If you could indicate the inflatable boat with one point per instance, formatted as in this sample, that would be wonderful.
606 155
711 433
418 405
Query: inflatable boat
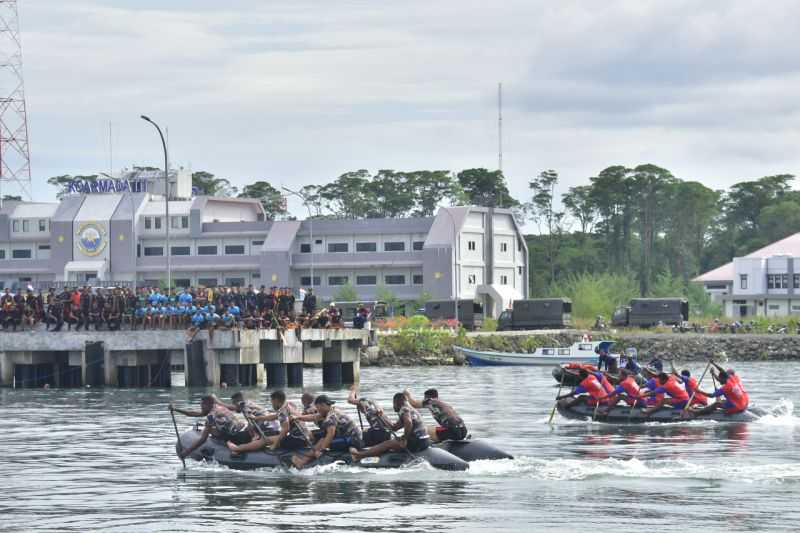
215 450
473 450
622 414
571 380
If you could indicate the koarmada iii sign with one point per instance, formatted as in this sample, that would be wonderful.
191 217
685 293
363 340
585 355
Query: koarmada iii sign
106 185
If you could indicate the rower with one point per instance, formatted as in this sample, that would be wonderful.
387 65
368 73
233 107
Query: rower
378 423
451 426
691 387
666 384
627 390
736 399
340 432
267 422
415 437
290 437
590 385
220 422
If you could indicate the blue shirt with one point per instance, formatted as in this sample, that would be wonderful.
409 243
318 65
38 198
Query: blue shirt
198 318
154 298
234 310
185 298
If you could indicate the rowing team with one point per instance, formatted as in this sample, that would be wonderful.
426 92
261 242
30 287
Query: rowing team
679 391
285 426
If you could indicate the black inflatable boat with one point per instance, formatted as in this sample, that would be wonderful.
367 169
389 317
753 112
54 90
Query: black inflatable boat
622 414
571 380
473 450
216 450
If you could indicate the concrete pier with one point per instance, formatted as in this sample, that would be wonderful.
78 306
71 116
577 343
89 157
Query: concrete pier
145 358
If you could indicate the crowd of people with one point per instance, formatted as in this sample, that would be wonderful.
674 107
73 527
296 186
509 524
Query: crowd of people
247 426
151 308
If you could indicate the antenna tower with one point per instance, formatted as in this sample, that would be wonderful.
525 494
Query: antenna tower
500 127
15 158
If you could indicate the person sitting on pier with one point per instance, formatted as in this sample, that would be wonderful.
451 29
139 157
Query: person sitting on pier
415 437
736 398
338 431
590 387
291 435
54 316
451 426
379 426
221 423
675 392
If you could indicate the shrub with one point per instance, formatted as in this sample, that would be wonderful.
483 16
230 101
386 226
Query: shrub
419 321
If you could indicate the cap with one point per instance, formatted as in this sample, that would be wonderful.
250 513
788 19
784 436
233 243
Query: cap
323 398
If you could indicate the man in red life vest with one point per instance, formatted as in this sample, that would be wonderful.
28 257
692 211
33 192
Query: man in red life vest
627 390
676 392
691 387
736 399
589 385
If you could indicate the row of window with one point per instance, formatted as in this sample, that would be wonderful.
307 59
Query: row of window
24 225
343 247
774 281
24 253
363 280
206 282
155 223
208 249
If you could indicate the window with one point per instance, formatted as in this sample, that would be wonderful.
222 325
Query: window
305 248
256 275
394 279
44 247
306 280
337 247
180 222
471 246
153 251
234 282
795 281
417 279
472 279
207 282
503 280
337 280
366 280
207 250
318 241
148 223
258 243
394 246
15 226
234 249
2 254
181 250
20 254
182 282
777 281
366 247
503 247
742 281
418 245
42 224
157 222
26 226
774 307
519 270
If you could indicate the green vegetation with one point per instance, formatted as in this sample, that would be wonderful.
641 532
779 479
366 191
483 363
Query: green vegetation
346 293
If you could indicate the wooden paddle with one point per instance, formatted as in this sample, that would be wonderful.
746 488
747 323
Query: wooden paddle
561 384
689 403
175 425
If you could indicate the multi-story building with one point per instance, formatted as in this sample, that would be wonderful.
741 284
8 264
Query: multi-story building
765 282
118 237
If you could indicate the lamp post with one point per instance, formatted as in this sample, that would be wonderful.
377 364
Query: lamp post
304 198
166 201
455 262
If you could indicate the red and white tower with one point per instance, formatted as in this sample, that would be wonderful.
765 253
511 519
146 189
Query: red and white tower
15 159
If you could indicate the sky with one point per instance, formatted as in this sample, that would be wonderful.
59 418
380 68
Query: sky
300 92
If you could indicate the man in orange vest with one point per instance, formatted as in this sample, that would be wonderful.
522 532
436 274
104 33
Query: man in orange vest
676 392
589 385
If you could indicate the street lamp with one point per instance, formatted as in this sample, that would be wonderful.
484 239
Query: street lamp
166 202
304 198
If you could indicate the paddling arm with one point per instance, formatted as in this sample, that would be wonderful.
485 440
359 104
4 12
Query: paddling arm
203 437
324 442
414 403
310 417
187 412
266 418
352 398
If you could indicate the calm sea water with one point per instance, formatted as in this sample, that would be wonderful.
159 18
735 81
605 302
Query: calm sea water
80 460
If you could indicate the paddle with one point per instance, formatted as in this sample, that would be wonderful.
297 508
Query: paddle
689 403
175 425
561 384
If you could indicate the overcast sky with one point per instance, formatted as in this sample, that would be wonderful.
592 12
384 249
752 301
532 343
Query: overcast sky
300 92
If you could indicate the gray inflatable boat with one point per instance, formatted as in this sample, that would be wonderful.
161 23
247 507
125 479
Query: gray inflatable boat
622 414
216 450
473 450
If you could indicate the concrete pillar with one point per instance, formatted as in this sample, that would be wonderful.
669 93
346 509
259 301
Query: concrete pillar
95 355
6 370
111 373
281 354
194 365
340 362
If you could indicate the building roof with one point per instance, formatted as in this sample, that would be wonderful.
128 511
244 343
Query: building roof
281 236
33 210
788 246
442 229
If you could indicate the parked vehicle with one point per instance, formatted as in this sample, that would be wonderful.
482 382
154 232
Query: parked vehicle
648 312
537 313
470 312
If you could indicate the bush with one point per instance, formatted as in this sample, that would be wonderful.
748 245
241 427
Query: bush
595 294
489 324
419 321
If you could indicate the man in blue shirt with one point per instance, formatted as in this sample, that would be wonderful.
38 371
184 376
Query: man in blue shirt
185 297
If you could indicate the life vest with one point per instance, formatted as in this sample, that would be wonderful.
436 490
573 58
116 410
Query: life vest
587 366
631 388
735 394
691 387
593 387
604 382
675 390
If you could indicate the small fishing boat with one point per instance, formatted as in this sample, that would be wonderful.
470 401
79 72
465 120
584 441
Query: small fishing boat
215 450
622 414
580 352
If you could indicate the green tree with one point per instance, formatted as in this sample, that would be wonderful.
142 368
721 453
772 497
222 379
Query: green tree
781 219
580 205
346 293
63 181
12 197
611 194
385 294
392 193
549 221
349 195
486 188
209 185
431 188
273 201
